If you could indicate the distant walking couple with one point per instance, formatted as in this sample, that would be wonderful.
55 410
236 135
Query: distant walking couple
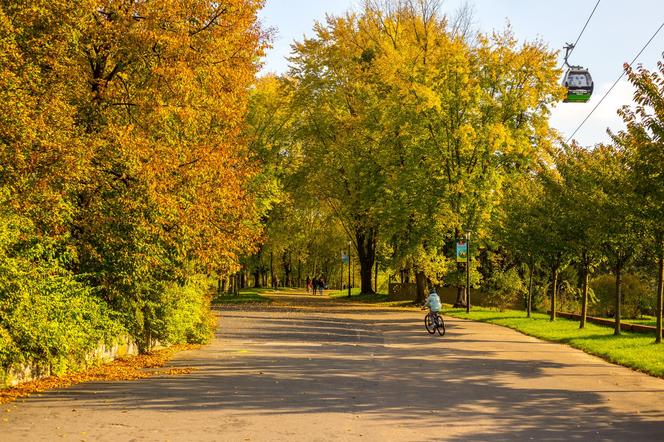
315 285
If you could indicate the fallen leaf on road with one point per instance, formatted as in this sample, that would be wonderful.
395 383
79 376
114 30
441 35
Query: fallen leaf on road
121 369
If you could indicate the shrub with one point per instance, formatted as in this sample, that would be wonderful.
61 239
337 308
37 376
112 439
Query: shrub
46 315
187 314
504 288
637 298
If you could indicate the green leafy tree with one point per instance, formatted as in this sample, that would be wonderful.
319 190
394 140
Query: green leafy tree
516 230
549 231
645 129
618 219
581 172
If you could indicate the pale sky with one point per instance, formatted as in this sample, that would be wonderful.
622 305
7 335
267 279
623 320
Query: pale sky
618 30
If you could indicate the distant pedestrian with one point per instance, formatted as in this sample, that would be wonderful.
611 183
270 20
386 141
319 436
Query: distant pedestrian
321 285
308 284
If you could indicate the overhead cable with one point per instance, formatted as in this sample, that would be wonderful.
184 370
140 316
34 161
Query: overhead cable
584 28
616 82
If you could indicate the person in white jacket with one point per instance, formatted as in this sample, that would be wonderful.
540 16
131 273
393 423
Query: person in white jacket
433 302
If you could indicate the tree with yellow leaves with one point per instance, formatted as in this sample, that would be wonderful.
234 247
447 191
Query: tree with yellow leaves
412 130
127 146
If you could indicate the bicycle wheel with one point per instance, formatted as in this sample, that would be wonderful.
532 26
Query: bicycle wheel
440 325
430 326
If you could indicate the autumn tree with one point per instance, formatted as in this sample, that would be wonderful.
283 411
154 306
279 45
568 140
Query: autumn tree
484 114
40 147
419 128
338 97
127 146
274 149
469 117
300 233
46 313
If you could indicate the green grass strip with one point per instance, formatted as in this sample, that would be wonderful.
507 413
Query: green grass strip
634 350
645 320
248 296
378 299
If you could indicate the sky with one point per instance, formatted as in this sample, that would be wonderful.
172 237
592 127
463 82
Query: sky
616 33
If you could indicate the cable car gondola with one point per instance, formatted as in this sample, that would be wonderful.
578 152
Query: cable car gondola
577 80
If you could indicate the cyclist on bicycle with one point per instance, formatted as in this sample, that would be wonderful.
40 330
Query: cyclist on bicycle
433 302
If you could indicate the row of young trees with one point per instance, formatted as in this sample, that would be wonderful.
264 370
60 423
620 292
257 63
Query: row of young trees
408 129
124 168
600 209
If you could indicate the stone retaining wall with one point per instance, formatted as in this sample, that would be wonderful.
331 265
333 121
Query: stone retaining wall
627 326
37 370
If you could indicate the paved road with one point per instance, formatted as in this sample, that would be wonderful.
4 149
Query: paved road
325 372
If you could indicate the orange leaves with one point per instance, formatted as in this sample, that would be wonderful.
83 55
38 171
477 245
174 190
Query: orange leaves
123 369
122 147
160 91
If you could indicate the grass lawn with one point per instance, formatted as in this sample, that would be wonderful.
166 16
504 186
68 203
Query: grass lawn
634 350
379 299
645 320
246 296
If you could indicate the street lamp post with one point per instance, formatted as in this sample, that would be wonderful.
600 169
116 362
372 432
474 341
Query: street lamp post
341 281
468 271
349 268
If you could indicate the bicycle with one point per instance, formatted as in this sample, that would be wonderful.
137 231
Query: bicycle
434 324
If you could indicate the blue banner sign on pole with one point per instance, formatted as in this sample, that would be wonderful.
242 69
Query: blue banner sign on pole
462 252
344 258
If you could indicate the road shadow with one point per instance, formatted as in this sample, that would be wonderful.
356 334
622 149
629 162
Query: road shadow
381 365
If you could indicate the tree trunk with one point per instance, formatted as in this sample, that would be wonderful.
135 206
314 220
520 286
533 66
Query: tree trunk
257 279
530 290
376 277
554 290
461 297
366 279
618 305
405 276
584 300
299 272
272 281
660 297
366 252
285 259
218 286
326 268
243 280
223 285
421 280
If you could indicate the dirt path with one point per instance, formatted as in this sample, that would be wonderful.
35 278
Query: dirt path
323 371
